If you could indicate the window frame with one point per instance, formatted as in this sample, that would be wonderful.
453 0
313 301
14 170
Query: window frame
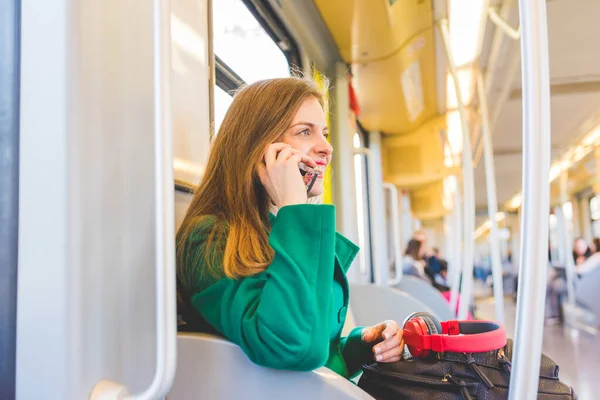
272 24
367 200
226 78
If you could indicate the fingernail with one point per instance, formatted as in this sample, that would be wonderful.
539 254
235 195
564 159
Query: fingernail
379 358
386 335
377 350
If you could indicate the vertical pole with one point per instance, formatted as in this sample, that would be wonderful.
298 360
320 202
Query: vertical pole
456 268
468 184
395 232
10 46
567 239
492 200
379 231
344 194
407 224
597 180
515 233
561 227
368 216
536 200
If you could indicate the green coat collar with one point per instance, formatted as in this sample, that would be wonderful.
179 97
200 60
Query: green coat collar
345 250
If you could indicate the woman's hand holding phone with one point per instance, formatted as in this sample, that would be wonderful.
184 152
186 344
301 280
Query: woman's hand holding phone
280 174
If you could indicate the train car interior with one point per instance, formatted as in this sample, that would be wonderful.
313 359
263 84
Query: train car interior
466 168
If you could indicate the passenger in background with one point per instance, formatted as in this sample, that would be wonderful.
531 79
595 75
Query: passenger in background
443 272
255 262
421 237
596 245
434 265
412 263
593 262
556 290
581 251
432 262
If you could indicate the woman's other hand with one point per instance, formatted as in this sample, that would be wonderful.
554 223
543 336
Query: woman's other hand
387 339
280 174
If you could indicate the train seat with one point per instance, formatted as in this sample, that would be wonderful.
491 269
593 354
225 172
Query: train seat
209 367
372 304
427 294
586 294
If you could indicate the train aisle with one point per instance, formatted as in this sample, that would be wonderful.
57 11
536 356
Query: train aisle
577 353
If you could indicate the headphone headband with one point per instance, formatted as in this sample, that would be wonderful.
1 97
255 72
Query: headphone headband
456 336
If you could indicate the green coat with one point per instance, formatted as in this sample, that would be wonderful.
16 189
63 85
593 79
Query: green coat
291 315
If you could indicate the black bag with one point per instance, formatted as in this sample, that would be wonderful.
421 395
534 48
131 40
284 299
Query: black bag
452 376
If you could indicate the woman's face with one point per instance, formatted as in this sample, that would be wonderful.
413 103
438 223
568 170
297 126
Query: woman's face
580 247
308 134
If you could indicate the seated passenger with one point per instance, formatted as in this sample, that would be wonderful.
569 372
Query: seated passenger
581 251
434 262
274 282
412 263
440 278
589 265
556 288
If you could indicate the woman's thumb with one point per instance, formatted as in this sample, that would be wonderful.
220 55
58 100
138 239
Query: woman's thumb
367 334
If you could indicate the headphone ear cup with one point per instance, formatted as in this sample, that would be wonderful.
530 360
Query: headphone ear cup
432 322
432 325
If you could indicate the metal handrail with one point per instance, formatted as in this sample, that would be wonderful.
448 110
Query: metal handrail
166 310
536 201
369 157
503 25
394 204
468 182
492 199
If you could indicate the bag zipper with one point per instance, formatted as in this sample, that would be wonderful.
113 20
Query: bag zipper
504 361
461 384
447 381
471 363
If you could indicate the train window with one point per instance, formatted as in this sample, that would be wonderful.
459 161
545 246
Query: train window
553 240
362 201
595 216
222 102
250 44
568 213
244 45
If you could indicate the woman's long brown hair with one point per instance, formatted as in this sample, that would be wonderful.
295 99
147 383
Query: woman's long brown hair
230 191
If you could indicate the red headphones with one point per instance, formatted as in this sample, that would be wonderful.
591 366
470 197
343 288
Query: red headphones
423 333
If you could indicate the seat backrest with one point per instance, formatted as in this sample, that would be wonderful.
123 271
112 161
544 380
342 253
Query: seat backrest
427 294
586 292
213 368
373 304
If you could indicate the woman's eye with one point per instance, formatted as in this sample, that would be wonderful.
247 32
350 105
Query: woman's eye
326 135
305 132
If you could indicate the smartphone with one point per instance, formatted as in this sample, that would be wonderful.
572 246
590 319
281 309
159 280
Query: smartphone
309 175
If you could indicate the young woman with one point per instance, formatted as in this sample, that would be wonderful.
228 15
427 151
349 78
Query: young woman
412 263
256 262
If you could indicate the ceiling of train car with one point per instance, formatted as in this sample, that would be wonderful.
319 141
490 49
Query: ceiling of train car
392 40
575 87
386 39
